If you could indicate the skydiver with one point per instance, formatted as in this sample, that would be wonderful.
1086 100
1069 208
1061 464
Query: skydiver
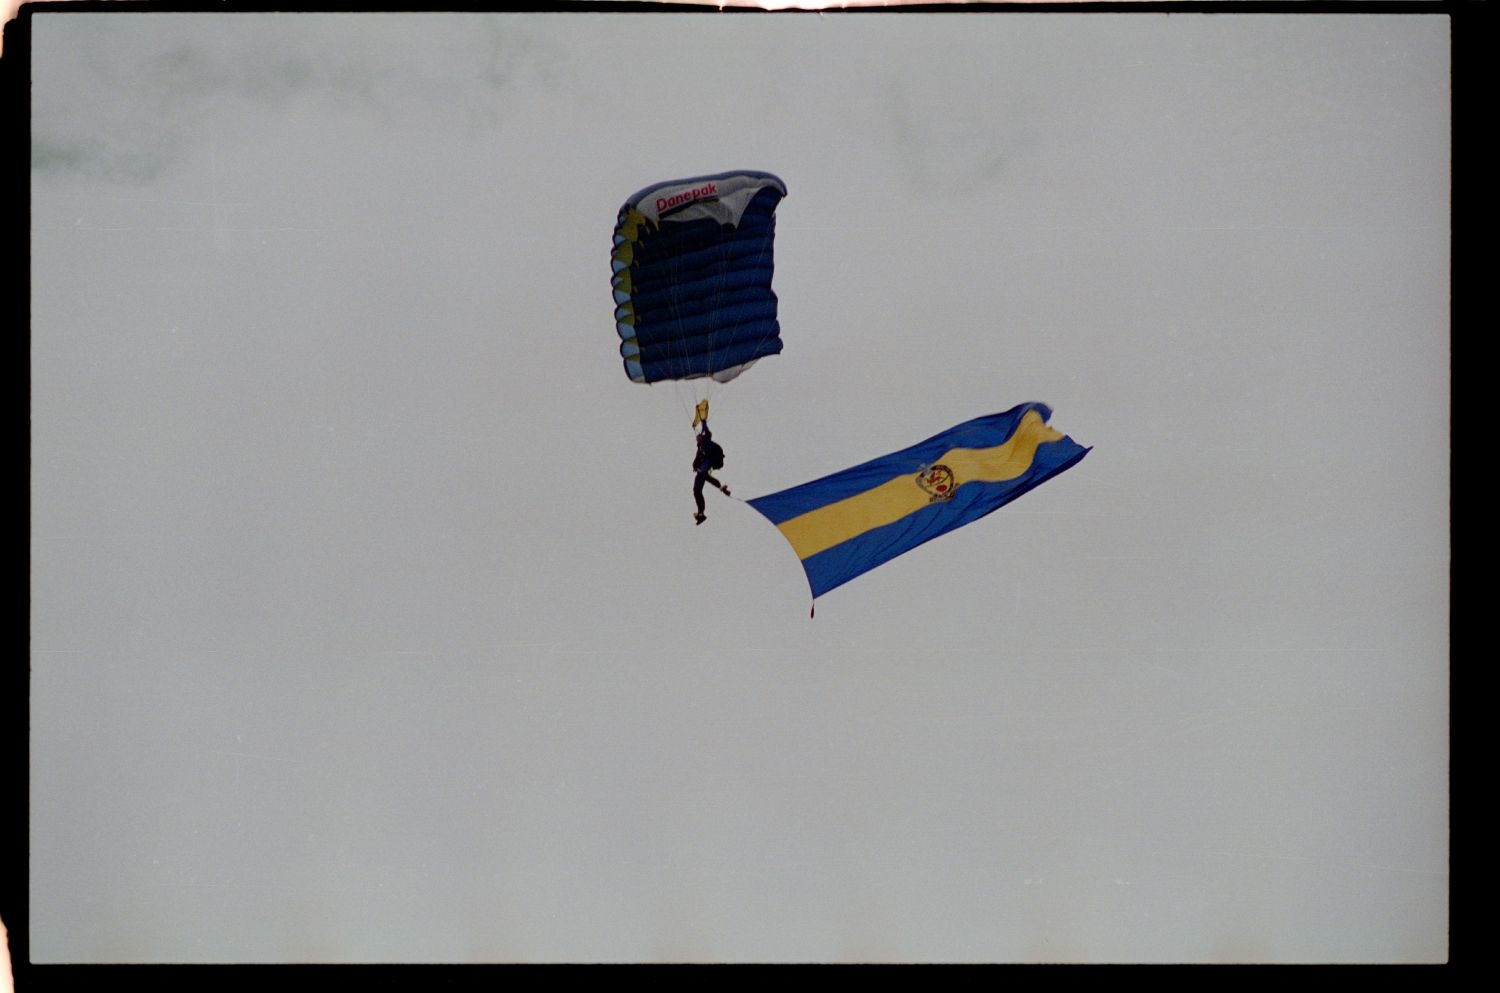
708 458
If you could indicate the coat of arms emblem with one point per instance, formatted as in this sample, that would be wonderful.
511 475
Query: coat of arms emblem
938 481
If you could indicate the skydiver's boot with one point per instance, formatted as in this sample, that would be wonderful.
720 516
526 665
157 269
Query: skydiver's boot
699 518
725 489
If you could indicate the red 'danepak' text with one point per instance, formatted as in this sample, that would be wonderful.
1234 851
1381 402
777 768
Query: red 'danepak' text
706 190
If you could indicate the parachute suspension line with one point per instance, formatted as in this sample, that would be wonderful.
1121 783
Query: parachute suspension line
718 335
683 388
723 267
679 302
680 392
766 249
697 282
687 398
710 392
715 334
672 310
696 390
675 304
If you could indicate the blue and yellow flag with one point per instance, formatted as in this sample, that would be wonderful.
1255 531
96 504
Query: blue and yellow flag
852 521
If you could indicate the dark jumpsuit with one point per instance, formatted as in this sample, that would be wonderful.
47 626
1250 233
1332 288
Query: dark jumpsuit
703 471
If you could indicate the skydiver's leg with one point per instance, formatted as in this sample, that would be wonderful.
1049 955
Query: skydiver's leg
709 476
698 489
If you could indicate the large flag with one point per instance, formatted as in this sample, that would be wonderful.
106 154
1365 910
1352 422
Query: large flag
852 521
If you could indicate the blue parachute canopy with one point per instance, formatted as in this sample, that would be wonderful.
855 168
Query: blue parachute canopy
692 265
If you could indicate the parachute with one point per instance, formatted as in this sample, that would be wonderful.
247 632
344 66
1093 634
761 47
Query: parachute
692 264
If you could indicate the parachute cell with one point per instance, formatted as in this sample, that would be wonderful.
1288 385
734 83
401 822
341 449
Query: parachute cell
692 265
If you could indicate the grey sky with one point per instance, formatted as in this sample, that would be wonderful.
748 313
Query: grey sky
369 621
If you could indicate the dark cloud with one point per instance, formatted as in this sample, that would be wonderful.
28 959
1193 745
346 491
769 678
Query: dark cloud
954 144
121 97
